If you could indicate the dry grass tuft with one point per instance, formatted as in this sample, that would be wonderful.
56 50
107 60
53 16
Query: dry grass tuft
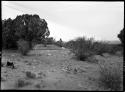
111 76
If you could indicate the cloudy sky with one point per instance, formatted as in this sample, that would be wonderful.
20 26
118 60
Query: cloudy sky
71 19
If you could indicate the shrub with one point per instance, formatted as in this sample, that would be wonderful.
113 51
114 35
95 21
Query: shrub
23 46
110 76
30 75
22 83
82 48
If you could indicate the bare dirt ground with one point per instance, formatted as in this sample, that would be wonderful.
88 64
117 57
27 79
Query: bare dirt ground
54 69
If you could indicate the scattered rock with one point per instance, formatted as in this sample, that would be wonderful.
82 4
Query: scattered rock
41 75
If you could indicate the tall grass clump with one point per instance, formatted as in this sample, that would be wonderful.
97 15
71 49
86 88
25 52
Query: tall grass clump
111 76
23 46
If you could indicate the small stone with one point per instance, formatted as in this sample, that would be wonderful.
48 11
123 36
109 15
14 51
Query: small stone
80 85
49 54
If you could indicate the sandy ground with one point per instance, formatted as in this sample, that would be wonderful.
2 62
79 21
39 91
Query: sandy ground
55 69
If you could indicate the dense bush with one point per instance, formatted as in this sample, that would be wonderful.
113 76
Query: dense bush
23 46
111 76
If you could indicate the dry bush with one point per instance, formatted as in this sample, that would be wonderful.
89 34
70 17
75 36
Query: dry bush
83 48
111 76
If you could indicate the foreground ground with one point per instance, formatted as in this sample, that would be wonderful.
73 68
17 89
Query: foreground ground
54 69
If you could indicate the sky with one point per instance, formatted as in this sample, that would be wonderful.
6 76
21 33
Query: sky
71 19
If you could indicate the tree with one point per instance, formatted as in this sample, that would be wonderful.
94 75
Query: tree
121 36
30 27
26 27
8 37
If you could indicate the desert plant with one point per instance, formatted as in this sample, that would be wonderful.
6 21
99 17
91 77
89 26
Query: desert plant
21 83
30 75
110 76
23 46
82 48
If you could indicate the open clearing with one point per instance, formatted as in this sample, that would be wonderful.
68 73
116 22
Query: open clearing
54 69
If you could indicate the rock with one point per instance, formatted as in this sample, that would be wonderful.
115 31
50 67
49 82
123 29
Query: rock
106 55
80 85
41 75
119 53
49 54
63 48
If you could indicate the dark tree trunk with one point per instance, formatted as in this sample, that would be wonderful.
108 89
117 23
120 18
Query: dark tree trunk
45 42
30 44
